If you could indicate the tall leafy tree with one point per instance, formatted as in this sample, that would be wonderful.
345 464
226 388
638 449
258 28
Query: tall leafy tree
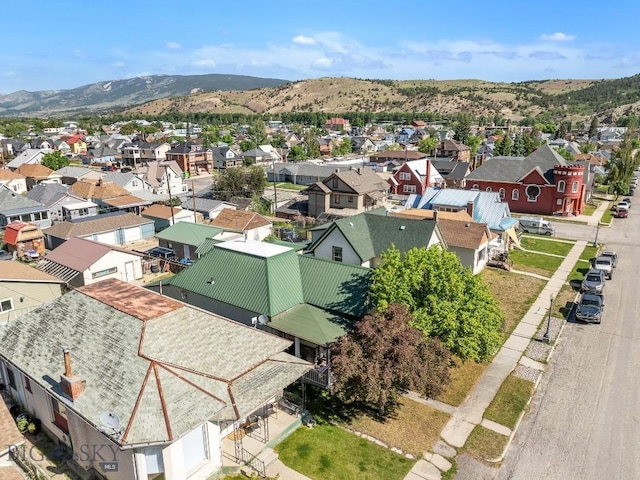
462 129
593 128
384 356
473 142
447 301
503 146
240 182
55 160
313 147
427 144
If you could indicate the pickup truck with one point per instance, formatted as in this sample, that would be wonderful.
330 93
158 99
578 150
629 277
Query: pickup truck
605 264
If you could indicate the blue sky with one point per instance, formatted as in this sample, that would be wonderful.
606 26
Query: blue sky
65 44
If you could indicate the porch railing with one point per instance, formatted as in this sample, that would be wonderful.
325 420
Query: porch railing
320 377
247 458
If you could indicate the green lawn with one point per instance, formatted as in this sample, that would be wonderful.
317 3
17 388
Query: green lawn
607 216
589 209
510 401
327 452
546 246
582 266
534 262
291 186
563 303
485 444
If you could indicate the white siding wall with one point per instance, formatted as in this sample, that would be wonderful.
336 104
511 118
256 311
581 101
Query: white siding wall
173 458
92 448
132 234
336 239
110 260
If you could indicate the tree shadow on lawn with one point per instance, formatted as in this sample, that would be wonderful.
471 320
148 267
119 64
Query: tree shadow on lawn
326 408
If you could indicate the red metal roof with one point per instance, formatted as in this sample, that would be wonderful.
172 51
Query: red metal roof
11 232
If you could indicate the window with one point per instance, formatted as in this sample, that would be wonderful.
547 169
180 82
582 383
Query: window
103 273
574 187
154 461
6 305
409 188
475 187
334 183
336 199
59 415
502 193
12 378
489 189
350 199
336 254
405 176
515 194
533 192
194 448
27 384
83 212
561 185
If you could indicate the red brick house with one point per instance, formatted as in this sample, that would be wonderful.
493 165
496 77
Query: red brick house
414 177
543 183
337 124
454 150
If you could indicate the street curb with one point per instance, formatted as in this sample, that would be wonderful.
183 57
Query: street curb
535 388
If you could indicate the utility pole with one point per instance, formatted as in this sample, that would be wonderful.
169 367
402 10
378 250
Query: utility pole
275 190
193 196
166 176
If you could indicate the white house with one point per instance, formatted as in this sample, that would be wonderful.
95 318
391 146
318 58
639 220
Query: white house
29 156
253 225
13 180
79 262
131 374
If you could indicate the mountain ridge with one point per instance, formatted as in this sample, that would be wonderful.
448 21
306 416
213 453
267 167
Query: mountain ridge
114 95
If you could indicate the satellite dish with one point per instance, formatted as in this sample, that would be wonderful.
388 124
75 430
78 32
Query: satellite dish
263 319
110 420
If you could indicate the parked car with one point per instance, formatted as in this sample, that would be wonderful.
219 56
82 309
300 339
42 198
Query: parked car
536 225
621 205
605 264
621 213
613 255
590 308
593 282
161 252
4 255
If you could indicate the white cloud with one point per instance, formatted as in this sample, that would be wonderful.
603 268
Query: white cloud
302 40
79 53
173 45
118 64
205 62
557 37
322 62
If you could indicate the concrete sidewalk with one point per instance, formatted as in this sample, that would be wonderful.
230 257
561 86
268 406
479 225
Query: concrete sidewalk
469 414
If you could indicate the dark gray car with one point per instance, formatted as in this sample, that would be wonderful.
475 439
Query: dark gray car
593 281
590 308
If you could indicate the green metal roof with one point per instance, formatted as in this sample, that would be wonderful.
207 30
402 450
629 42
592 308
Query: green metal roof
371 233
188 233
297 246
267 286
334 286
310 323
206 246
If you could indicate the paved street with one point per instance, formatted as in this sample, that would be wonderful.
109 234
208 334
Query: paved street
584 419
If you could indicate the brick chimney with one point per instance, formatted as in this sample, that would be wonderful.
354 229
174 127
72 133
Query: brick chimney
470 208
72 387
435 216
428 177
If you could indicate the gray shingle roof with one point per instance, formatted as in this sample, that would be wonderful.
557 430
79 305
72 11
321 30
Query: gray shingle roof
512 169
126 342
105 222
11 202
74 172
47 193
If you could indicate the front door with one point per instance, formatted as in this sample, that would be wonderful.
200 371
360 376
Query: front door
129 273
185 249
